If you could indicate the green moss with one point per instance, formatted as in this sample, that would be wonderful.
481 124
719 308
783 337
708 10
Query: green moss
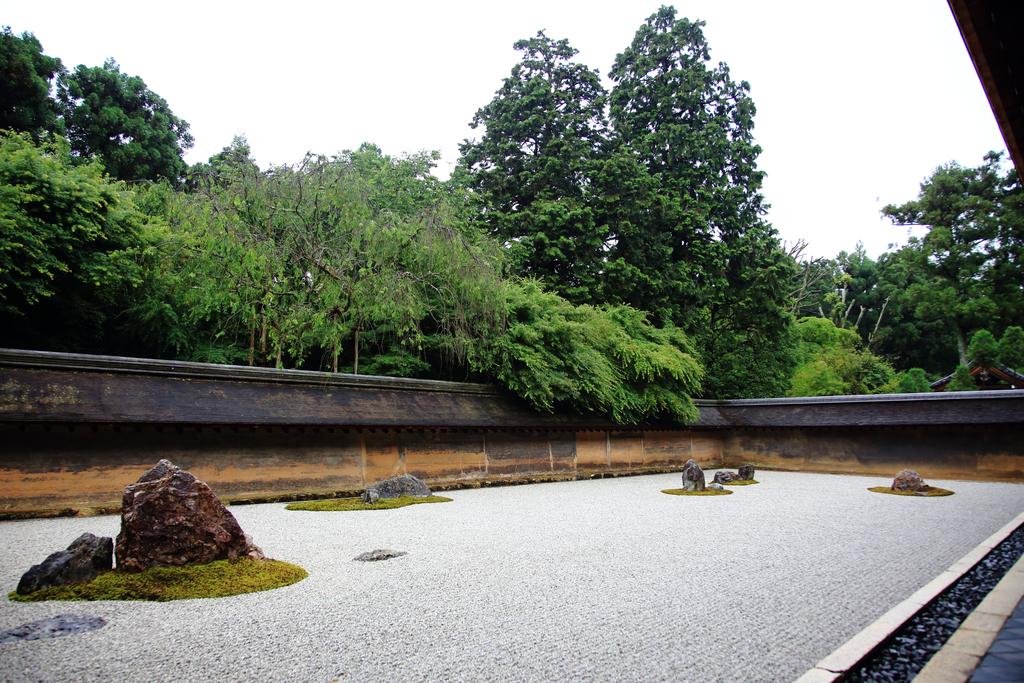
342 504
214 580
930 492
742 482
705 492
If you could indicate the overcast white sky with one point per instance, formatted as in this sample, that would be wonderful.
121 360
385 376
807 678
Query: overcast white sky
857 102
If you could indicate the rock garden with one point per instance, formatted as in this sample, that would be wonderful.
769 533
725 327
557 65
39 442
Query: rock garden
388 494
910 483
177 541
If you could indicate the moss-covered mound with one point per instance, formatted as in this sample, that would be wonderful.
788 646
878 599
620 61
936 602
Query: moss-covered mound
705 492
343 504
929 492
740 482
214 580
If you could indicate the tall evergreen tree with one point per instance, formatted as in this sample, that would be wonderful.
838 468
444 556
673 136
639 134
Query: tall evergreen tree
114 116
25 78
691 125
531 169
965 273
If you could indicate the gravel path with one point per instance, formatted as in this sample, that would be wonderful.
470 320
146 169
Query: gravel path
591 580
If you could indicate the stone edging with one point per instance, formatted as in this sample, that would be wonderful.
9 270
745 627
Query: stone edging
979 623
964 650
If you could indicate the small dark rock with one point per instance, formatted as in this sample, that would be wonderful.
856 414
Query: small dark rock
908 480
724 477
81 562
396 487
379 554
693 476
54 627
370 496
170 518
746 472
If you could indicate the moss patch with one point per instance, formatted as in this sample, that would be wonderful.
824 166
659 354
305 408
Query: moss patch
741 482
214 580
705 492
342 504
930 492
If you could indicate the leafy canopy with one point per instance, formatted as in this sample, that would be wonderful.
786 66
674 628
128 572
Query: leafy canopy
114 116
833 363
983 349
1011 348
543 137
965 271
71 246
26 75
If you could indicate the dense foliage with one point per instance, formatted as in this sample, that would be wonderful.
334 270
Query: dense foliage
114 116
648 195
104 113
72 248
833 362
1011 348
26 75
596 250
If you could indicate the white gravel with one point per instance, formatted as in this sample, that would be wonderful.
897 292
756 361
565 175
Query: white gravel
592 580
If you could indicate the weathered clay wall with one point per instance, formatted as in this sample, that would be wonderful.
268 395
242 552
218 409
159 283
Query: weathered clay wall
74 430
981 452
54 467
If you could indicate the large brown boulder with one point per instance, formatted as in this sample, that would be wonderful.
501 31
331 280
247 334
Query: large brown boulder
170 518
908 480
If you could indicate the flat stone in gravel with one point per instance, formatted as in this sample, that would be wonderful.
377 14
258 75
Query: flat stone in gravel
379 554
598 580
55 627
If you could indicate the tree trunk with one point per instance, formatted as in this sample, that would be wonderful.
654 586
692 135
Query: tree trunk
252 345
961 344
355 362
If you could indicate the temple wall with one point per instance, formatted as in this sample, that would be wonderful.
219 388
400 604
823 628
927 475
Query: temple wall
75 430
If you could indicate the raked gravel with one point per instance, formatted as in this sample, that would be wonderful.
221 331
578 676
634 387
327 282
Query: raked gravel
591 580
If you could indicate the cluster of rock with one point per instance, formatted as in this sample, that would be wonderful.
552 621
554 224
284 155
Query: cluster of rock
395 487
693 477
745 473
168 519
909 480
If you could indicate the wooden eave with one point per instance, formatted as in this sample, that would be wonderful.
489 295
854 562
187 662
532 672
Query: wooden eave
991 30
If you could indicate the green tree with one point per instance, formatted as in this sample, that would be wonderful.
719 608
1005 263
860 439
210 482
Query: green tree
25 78
115 117
357 262
962 380
719 263
832 362
983 349
1011 348
531 169
606 360
904 336
912 381
966 271
71 248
